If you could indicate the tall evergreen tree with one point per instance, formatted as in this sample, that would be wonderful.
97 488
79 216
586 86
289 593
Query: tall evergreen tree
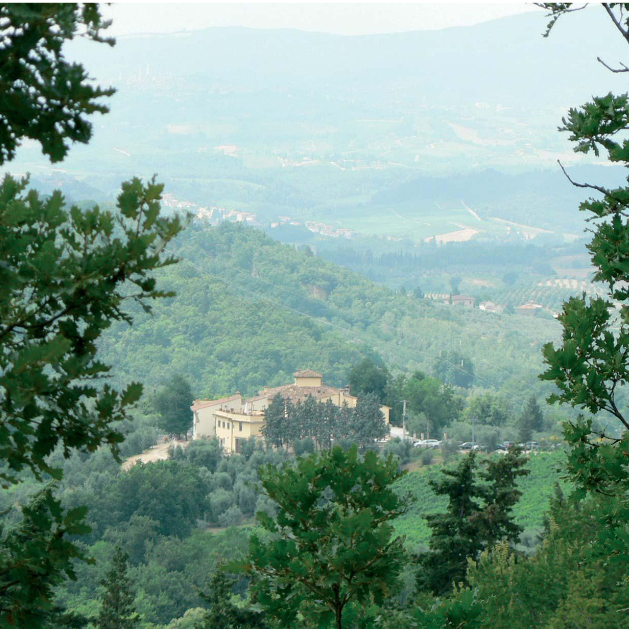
329 423
309 418
275 422
525 429
367 423
477 517
501 494
117 609
532 420
455 534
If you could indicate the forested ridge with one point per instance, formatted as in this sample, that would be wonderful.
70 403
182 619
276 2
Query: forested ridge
250 311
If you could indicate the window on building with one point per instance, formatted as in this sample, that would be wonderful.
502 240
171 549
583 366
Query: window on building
240 426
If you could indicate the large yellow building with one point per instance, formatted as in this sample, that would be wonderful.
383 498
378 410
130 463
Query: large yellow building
233 420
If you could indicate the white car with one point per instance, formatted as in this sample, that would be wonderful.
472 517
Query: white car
427 443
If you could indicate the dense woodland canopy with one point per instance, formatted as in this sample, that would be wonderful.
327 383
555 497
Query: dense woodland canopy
246 316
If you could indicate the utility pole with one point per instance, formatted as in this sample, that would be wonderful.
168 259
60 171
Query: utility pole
404 423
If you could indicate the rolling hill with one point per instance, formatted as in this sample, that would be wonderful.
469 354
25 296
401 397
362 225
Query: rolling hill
249 311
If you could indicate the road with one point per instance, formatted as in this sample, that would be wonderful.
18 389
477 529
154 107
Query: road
158 452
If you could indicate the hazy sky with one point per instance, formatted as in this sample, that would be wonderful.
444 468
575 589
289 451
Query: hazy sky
340 18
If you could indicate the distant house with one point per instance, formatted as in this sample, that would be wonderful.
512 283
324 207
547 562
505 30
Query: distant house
233 420
529 309
462 300
490 306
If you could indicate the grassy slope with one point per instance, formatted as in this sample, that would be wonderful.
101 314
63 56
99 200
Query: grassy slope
537 488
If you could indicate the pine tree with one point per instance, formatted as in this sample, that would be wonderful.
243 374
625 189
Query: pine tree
332 543
532 420
535 414
456 534
501 495
117 611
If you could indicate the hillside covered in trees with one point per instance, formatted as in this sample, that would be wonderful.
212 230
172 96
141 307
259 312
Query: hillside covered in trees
250 311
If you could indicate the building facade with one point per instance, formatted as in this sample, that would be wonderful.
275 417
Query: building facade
233 420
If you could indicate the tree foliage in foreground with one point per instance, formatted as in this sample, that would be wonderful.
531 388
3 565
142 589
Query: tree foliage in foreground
42 95
591 366
35 557
332 541
66 275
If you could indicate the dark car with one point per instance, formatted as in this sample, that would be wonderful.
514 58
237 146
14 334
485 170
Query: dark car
468 445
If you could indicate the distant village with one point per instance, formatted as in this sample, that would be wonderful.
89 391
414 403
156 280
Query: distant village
213 214
529 309
216 215
322 229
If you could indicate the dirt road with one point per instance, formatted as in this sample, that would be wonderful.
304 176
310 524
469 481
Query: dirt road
158 452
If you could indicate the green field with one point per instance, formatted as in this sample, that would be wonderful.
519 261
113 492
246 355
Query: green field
537 488
420 220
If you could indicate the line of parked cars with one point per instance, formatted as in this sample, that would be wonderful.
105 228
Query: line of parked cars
476 447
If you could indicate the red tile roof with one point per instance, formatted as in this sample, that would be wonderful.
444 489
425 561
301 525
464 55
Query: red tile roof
296 393
199 404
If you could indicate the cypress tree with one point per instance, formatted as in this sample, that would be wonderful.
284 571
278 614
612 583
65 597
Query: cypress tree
455 534
328 424
117 610
308 419
368 421
275 422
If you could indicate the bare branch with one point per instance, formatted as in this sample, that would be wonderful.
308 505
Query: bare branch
614 19
615 70
592 187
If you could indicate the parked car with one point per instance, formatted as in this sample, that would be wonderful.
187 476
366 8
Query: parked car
468 445
531 445
427 443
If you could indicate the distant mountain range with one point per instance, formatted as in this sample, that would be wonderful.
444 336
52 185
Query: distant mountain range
311 125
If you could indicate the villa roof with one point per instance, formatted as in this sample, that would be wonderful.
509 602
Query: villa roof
296 393
199 404
307 373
